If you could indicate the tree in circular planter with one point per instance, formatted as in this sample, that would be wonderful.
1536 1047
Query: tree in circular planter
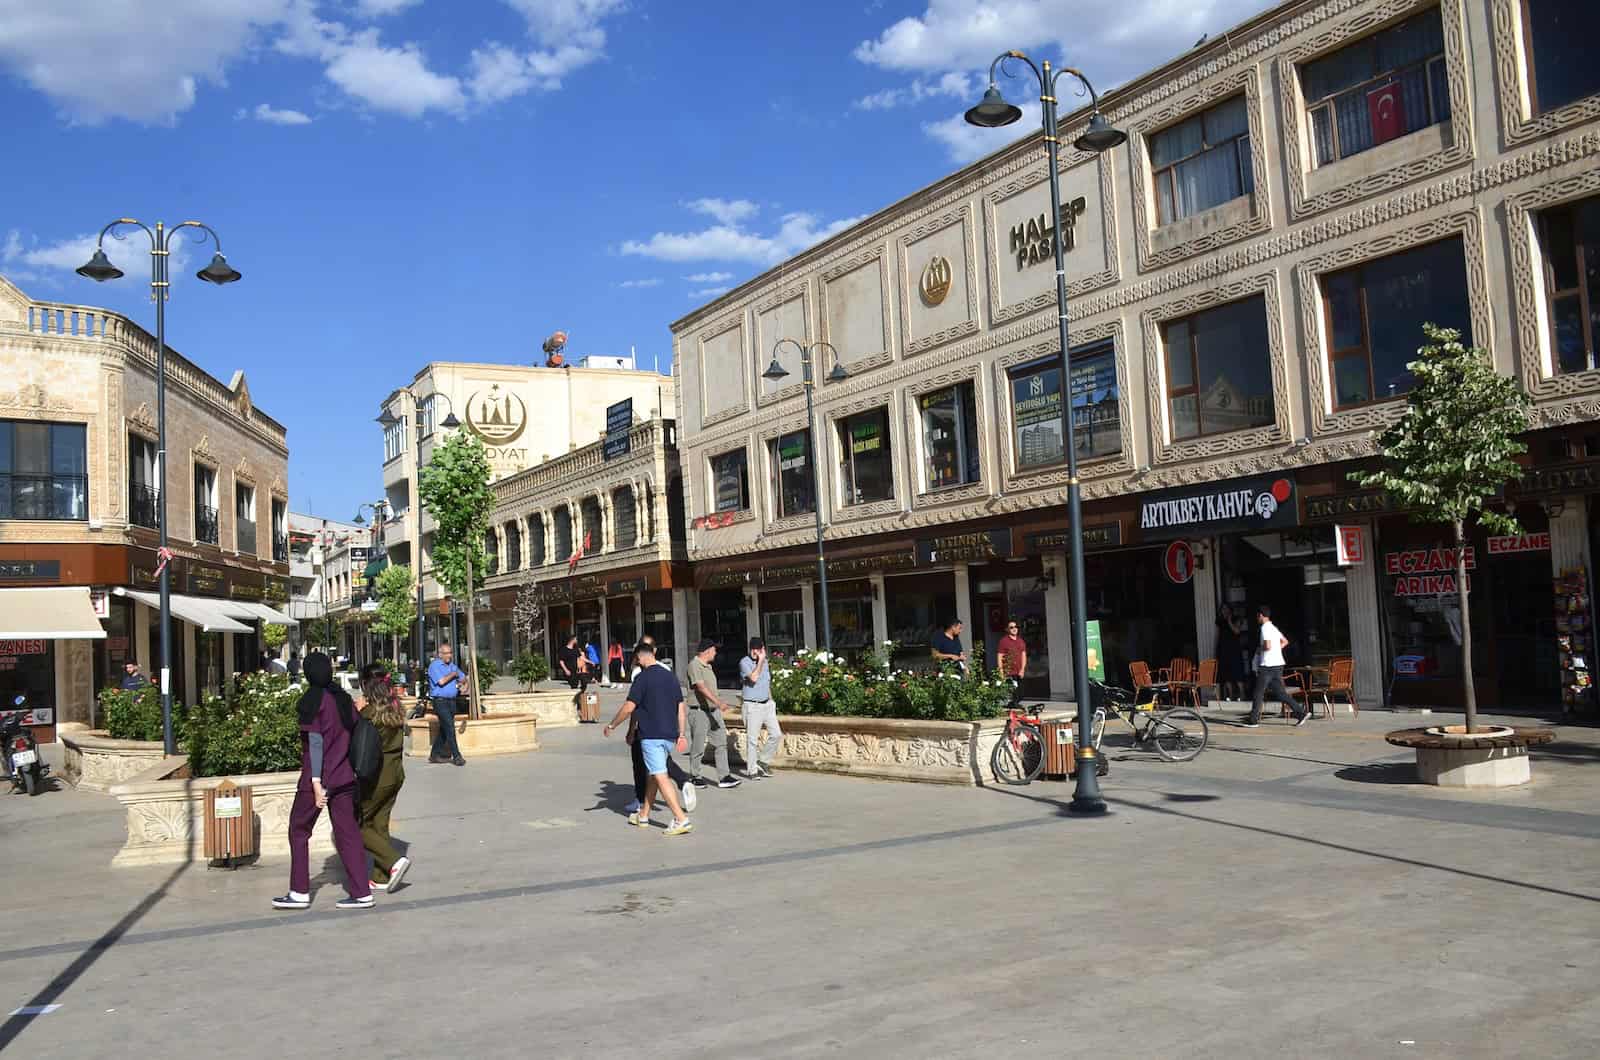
454 488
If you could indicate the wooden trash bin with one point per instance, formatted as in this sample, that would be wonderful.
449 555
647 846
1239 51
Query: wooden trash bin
1059 754
589 706
230 823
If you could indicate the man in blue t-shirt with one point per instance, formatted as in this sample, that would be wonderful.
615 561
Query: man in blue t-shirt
655 701
444 687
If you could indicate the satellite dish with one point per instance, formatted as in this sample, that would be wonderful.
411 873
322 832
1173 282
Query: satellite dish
556 342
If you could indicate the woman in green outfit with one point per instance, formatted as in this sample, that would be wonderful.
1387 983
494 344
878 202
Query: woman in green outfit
382 708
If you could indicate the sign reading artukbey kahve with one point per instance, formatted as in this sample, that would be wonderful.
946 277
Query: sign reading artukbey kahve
1262 502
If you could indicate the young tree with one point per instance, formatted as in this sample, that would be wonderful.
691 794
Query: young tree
1451 451
397 606
454 487
274 636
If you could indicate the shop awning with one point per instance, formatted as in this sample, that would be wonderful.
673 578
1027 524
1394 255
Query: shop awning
375 567
270 615
209 615
56 613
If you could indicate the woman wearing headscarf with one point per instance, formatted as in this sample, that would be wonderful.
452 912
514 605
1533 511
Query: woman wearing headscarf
327 715
382 708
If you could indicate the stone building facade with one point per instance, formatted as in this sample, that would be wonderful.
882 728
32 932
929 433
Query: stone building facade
78 503
1247 279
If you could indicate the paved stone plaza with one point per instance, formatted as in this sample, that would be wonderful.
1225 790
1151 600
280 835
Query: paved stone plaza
1286 894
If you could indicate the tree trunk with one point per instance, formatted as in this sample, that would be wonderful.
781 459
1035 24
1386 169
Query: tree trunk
1466 631
475 705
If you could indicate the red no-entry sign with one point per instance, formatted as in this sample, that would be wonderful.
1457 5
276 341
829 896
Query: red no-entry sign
1179 562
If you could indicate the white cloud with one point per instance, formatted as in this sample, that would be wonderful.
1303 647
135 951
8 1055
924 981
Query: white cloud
953 84
382 8
555 20
654 281
393 79
729 242
708 292
964 142
709 277
272 116
726 211
500 72
30 260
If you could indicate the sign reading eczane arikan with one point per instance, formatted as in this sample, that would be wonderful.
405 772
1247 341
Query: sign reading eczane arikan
1262 502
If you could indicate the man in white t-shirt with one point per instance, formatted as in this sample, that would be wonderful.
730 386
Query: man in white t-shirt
1269 671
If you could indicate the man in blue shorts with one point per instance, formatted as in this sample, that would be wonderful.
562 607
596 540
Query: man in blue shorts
656 702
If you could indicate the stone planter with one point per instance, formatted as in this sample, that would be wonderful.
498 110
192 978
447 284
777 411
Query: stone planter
1450 757
166 812
93 761
555 708
926 752
498 734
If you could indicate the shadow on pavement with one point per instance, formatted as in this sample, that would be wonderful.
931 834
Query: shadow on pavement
1565 749
1381 773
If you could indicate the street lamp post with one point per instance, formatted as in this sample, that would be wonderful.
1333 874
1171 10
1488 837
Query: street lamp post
380 517
776 372
993 111
450 422
219 272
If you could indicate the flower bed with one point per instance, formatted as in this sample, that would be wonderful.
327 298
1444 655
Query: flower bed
817 683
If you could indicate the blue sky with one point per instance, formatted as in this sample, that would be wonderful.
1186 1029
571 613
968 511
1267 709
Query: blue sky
411 180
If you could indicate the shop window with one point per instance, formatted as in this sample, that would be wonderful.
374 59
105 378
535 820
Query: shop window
625 517
205 505
1560 35
513 546
917 607
677 511
594 527
1219 370
865 471
244 519
491 553
1571 243
1298 575
1202 162
144 487
849 616
1377 89
43 470
535 540
1036 408
730 481
1375 312
950 436
792 481
563 518
280 531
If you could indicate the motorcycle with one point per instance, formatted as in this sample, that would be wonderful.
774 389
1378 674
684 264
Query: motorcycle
19 750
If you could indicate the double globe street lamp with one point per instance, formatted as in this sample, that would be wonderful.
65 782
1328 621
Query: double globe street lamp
100 269
449 423
993 112
776 373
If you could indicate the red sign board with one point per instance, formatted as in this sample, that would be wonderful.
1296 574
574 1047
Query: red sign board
1427 561
714 522
1179 562
1506 546
1352 545
22 647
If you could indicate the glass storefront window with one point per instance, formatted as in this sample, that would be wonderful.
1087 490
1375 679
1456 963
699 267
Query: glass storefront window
722 620
658 623
918 606
28 667
1298 575
950 436
730 481
849 616
791 474
865 471
1143 616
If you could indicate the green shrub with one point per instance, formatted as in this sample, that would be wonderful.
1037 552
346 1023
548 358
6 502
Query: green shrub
132 715
255 732
274 636
488 673
817 683
530 669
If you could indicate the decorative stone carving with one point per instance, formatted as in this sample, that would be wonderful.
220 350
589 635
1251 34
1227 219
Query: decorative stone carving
961 215
33 397
1511 70
1534 360
143 420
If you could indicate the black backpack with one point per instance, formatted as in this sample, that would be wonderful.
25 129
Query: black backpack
366 747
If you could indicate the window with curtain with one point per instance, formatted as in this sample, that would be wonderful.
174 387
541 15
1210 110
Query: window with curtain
144 490
792 479
626 517
865 471
730 481
1375 312
1377 89
44 470
244 519
594 527
950 436
1560 35
205 505
535 540
513 546
280 531
1570 235
1203 161
1219 370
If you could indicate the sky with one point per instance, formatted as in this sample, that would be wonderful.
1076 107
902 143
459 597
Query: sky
401 181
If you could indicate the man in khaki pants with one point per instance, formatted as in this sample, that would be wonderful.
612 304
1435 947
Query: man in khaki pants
758 709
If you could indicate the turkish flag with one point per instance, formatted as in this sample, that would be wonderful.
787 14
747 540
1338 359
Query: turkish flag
1386 108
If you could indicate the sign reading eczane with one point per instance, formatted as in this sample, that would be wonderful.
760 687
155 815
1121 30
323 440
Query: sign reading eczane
1262 502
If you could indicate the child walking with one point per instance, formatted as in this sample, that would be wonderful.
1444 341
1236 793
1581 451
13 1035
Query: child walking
382 708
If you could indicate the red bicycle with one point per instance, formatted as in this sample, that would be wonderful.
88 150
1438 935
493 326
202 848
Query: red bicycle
1019 756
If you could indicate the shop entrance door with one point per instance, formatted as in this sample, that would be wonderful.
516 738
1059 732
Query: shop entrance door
722 620
1522 606
1002 600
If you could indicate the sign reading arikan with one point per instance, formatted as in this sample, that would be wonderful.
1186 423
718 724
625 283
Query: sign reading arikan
1031 240
1259 503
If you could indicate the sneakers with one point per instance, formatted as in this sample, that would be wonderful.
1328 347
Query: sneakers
691 798
458 761
1250 723
766 770
437 760
638 819
1301 719
397 873
683 827
354 903
632 807
292 901
754 774
729 781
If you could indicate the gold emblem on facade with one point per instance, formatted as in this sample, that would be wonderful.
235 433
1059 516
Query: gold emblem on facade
496 416
935 284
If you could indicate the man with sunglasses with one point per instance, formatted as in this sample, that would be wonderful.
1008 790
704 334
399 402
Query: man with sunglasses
1011 659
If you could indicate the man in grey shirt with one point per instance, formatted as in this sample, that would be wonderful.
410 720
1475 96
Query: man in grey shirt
705 719
758 709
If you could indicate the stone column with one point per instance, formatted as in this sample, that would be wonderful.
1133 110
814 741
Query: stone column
685 627
963 608
1208 553
752 612
808 611
1366 641
1058 625
880 611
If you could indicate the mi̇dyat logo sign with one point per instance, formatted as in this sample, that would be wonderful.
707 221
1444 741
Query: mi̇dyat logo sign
496 416
935 282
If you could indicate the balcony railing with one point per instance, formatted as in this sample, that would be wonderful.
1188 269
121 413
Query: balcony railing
280 548
44 497
205 525
144 505
244 536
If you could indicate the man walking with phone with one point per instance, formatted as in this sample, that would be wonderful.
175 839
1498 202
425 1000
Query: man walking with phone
758 709
444 687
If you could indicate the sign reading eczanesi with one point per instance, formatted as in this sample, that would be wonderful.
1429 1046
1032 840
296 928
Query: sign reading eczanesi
1262 502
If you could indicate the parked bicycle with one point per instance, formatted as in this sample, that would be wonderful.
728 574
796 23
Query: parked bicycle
1177 733
1019 756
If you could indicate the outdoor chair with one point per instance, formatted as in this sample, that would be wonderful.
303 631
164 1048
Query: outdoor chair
1177 672
1139 673
1341 682
1203 678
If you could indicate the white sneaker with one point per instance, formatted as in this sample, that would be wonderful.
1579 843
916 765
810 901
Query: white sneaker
401 864
292 900
683 827
691 798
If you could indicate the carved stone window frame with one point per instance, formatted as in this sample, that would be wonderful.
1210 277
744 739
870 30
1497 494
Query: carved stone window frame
1465 224
960 214
765 441
1150 321
925 499
1296 125
874 358
1026 181
715 331
761 349
1247 81
1515 89
1055 475
845 514
1535 352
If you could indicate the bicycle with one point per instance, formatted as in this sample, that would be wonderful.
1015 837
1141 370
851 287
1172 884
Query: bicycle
1019 756
1177 733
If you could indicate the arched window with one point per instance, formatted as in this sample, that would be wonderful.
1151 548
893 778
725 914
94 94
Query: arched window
625 517
513 546
677 530
536 541
492 546
594 526
563 519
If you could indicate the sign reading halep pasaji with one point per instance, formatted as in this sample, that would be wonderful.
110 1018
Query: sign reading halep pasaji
1426 571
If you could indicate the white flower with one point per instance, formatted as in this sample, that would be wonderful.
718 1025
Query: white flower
785 673
888 644
808 682
803 651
